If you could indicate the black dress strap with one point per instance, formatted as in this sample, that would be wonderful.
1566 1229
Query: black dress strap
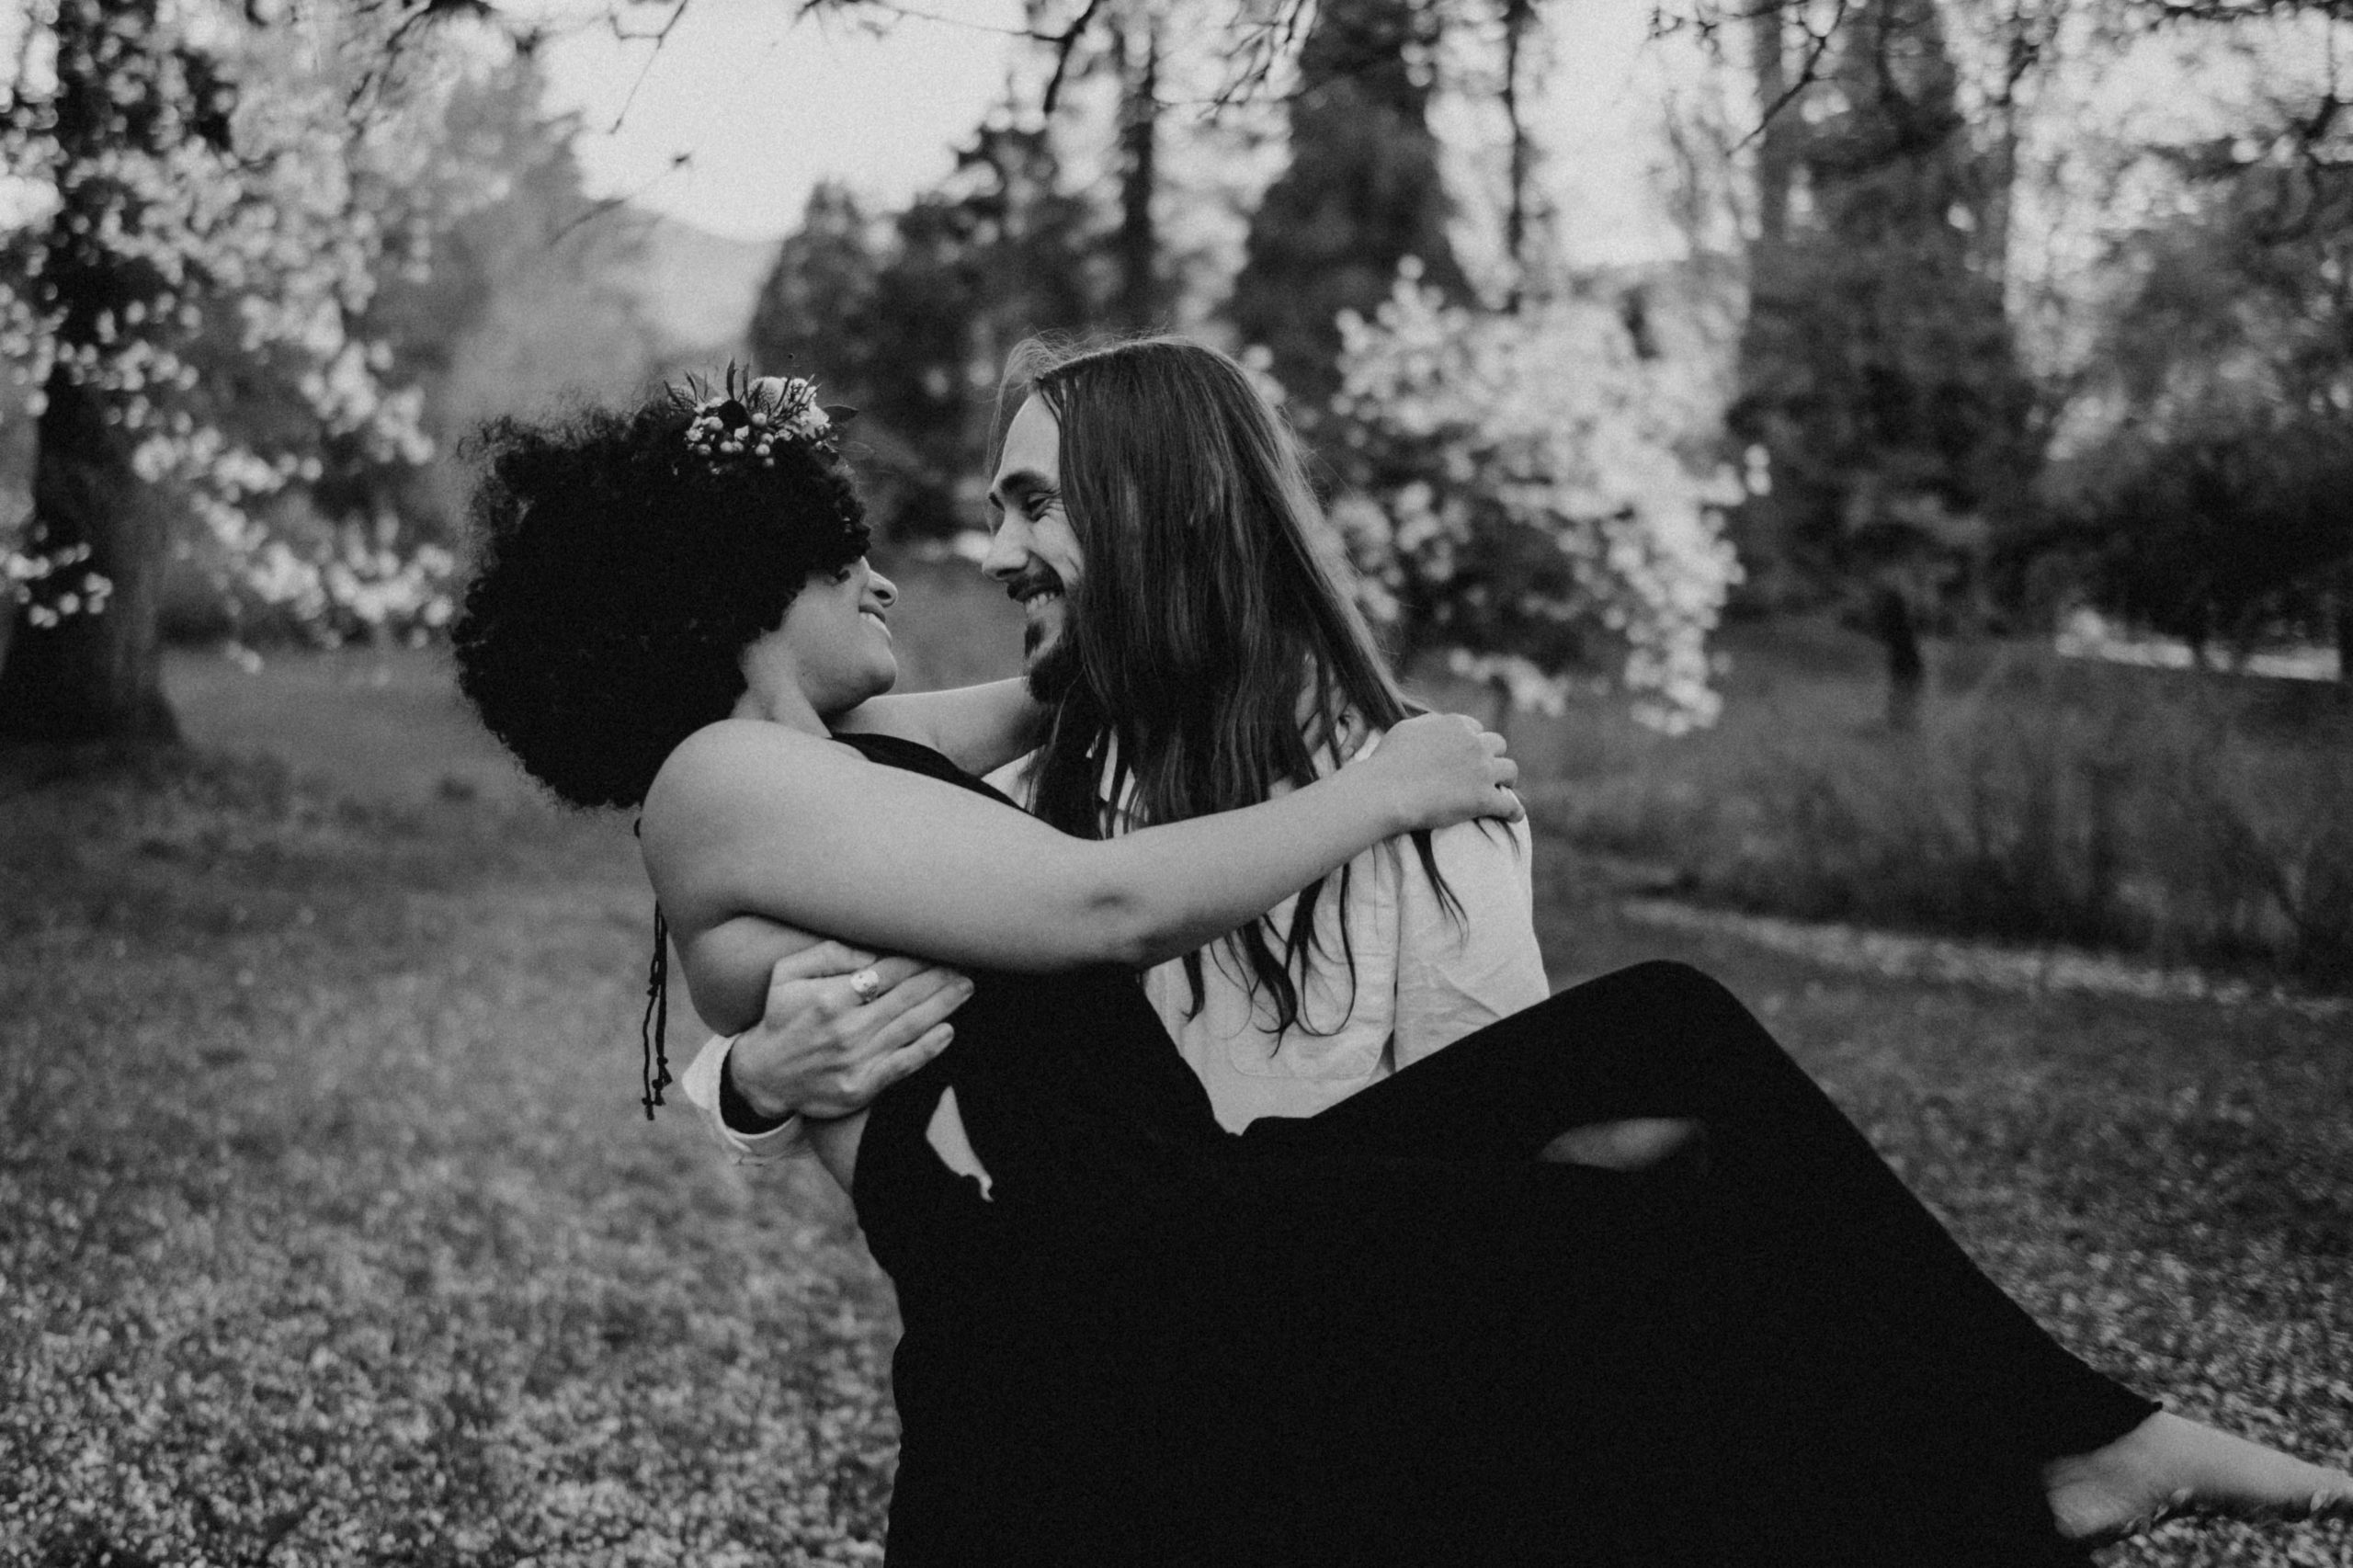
895 751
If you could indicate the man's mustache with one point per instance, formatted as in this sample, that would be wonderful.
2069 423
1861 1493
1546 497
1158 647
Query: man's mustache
1033 580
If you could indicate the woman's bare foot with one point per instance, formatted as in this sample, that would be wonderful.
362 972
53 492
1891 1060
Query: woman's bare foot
2168 1465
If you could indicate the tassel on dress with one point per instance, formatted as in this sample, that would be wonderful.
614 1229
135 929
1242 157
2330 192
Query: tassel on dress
654 1032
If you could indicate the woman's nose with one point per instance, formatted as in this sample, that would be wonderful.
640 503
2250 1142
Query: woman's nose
886 590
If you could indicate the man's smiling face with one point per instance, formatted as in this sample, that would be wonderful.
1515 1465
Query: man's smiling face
1032 549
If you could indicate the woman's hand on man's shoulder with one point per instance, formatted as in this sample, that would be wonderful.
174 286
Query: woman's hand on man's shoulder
1443 768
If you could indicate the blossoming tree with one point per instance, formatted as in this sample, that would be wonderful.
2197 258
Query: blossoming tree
192 235
1532 492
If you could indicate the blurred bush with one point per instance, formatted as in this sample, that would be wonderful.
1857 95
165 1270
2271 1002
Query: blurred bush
2185 817
2200 477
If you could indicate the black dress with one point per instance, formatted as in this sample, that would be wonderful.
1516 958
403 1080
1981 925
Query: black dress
1389 1334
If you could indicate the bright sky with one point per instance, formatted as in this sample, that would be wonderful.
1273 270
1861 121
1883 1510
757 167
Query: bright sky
767 108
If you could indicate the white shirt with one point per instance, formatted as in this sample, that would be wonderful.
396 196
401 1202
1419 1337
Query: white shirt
1423 979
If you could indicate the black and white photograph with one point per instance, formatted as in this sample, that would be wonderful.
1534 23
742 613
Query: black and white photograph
1176 783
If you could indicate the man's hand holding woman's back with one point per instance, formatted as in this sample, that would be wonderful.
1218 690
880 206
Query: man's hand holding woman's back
823 1051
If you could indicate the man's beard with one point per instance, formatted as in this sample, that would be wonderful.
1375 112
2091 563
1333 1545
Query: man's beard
1054 674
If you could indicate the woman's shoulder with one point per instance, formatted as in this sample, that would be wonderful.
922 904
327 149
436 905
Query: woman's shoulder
734 758
724 760
720 746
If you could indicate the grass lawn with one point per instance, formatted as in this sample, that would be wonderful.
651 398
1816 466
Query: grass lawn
330 1232
2188 818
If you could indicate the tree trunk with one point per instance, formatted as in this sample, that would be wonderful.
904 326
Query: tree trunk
1363 191
91 676
1777 129
1999 167
1517 14
1907 672
1138 305
2344 632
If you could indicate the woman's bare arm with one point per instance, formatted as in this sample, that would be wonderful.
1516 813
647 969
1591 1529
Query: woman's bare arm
978 728
752 819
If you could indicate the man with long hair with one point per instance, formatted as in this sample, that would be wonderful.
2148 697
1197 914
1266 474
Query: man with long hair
1192 648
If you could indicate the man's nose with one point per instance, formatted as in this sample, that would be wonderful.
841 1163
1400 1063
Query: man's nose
1008 551
884 589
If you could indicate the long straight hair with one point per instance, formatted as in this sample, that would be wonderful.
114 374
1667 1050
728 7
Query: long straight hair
1216 654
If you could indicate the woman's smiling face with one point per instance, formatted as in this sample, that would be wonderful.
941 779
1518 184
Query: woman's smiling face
835 641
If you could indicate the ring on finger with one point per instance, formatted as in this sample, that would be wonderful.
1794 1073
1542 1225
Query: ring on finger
867 984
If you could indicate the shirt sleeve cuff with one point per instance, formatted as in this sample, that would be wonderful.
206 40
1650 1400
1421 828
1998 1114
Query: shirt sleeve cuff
701 1086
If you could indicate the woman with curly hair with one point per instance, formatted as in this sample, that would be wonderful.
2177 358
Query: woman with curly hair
1415 1328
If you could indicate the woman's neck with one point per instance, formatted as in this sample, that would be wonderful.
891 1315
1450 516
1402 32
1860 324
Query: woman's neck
788 706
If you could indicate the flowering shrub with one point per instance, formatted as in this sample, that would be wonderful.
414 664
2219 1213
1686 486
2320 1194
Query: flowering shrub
336 579
26 574
186 242
1524 489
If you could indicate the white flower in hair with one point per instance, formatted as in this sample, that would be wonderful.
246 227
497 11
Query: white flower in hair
747 418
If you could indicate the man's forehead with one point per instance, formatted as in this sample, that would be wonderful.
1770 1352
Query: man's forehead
1030 453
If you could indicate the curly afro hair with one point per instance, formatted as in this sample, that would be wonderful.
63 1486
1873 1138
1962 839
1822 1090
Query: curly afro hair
618 577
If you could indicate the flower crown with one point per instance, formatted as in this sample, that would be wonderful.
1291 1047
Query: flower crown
744 420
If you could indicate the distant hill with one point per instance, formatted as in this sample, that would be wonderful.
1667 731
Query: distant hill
696 288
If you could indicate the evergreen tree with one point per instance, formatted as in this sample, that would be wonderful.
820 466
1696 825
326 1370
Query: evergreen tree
1142 295
913 331
822 285
1360 195
1877 368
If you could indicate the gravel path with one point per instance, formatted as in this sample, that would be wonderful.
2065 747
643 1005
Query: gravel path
1897 956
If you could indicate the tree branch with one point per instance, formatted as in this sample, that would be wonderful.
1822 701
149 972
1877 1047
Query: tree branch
899 12
1264 44
608 204
1064 40
415 15
1064 46
1817 49
660 35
